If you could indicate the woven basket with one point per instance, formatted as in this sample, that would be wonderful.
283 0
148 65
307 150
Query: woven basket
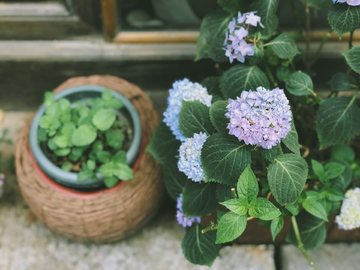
102 216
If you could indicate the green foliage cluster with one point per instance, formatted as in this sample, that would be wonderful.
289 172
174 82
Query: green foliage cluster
86 138
307 186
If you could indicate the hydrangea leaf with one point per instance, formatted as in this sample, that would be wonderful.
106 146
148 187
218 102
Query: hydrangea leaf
270 154
343 181
174 180
299 84
353 56
247 186
216 51
103 119
333 195
223 192
83 135
199 199
219 154
214 24
163 145
200 248
263 209
287 177
312 231
315 208
342 81
333 169
212 85
266 9
239 78
230 227
194 118
276 226
258 56
337 120
343 153
344 18
238 206
232 6
284 46
217 116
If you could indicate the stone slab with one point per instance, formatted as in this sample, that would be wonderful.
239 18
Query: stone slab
327 257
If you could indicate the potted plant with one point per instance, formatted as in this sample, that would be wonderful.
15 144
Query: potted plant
86 136
257 141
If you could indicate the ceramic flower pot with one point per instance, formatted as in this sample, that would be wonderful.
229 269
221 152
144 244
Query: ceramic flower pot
74 94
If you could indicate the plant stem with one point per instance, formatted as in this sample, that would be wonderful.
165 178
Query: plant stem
300 244
308 36
323 41
351 39
297 19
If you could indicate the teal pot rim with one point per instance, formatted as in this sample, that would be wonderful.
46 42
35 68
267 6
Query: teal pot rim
69 179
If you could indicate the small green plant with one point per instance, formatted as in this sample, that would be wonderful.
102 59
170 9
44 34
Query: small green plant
86 138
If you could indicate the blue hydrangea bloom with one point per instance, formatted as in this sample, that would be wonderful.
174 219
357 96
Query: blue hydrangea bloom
260 118
349 217
183 90
181 218
349 2
236 46
189 159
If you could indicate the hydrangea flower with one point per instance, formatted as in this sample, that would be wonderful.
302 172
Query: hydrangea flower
349 2
183 90
260 118
181 218
189 161
349 217
235 43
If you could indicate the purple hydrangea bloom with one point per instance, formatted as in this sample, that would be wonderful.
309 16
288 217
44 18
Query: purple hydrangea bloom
349 2
236 38
260 118
183 90
189 161
181 218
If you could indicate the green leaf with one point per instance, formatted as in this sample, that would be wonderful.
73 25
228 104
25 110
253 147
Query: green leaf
294 209
232 6
315 208
313 195
287 177
239 78
42 135
163 146
266 9
270 154
238 206
230 227
199 199
342 82
337 120
213 25
49 122
62 152
200 248
61 140
53 110
333 195
258 56
122 171
219 154
284 46
66 166
318 169
343 153
212 84
83 135
319 4
299 84
312 231
103 119
194 118
115 138
91 164
76 153
216 50
111 181
84 175
353 55
107 95
114 103
65 105
223 192
97 146
174 180
276 226
119 157
49 98
291 140
333 169
263 209
344 18
103 156
343 181
217 116
247 186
